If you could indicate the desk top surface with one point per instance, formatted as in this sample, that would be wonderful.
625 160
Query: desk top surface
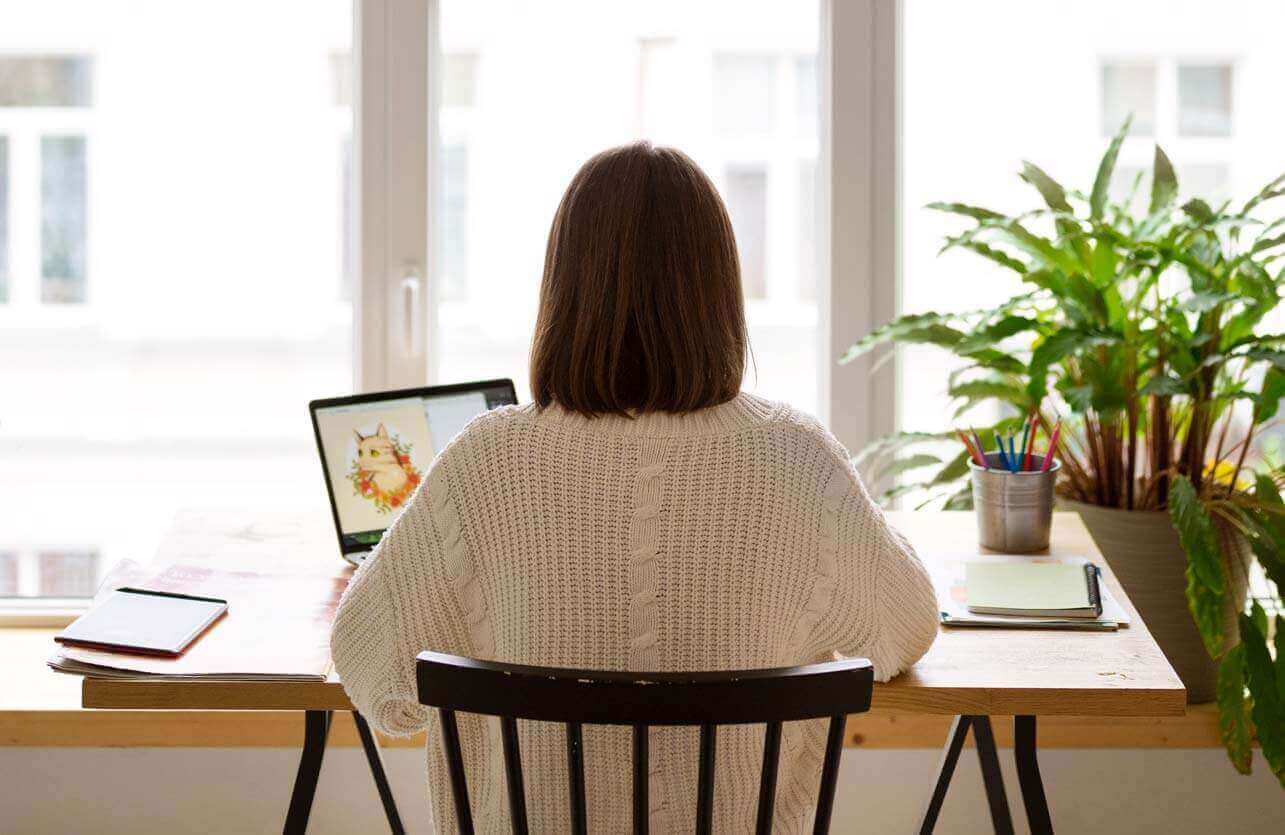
967 671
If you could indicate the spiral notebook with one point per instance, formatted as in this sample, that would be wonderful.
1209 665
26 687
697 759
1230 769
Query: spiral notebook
1045 590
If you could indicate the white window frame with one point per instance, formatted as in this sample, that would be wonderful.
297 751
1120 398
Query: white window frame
396 43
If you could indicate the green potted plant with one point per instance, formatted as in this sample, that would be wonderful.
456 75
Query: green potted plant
1147 333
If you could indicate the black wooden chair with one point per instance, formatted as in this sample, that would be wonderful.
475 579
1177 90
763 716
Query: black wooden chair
586 697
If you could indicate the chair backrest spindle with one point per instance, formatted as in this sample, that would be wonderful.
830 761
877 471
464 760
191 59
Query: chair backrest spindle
705 784
767 777
641 700
642 777
575 778
829 775
455 765
513 774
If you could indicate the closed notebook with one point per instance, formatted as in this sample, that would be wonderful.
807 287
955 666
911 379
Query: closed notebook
148 622
1066 590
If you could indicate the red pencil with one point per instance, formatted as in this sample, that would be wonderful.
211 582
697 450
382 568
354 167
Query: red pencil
1048 456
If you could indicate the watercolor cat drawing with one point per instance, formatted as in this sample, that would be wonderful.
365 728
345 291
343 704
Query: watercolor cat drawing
383 471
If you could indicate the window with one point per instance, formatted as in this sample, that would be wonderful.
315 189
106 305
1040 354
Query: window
341 74
8 574
1204 100
45 104
518 116
67 573
453 215
169 223
746 194
459 98
4 219
1129 89
62 219
745 105
45 81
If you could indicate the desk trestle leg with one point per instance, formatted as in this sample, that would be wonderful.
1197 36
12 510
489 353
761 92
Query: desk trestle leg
316 727
377 771
988 759
1028 775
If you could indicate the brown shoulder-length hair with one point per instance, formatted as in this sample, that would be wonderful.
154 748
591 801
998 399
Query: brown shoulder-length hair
640 304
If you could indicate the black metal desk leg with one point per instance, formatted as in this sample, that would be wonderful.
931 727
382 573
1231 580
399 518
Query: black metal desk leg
949 756
369 743
316 727
1028 774
993 778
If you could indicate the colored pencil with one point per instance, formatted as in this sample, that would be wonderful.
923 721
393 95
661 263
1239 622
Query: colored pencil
1030 446
1048 456
981 447
1026 433
1003 457
972 453
1012 453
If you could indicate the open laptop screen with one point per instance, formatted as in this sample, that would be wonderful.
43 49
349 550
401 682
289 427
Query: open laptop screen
376 448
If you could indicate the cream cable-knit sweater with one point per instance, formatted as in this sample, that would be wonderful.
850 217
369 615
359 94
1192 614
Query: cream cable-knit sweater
734 537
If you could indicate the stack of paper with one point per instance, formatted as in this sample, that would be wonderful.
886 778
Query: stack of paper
277 626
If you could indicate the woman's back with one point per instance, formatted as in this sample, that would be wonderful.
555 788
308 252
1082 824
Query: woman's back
731 537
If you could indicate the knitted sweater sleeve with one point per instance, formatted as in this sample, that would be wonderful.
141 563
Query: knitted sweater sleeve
884 606
399 603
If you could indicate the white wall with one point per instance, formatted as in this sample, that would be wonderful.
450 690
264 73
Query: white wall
140 790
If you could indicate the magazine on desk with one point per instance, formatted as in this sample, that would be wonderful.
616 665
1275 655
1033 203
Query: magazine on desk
277 627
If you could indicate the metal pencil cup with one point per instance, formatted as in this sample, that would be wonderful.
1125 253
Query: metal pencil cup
1014 510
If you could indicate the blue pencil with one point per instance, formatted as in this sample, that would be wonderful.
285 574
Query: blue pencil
1003 457
1012 454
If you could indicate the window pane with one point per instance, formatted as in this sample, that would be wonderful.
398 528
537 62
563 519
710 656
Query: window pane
62 219
1204 100
460 80
743 104
4 219
807 245
730 83
68 573
193 208
1129 89
45 81
8 574
806 95
746 195
453 214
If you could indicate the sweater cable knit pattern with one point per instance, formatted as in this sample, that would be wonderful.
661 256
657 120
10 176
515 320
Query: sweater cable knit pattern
733 537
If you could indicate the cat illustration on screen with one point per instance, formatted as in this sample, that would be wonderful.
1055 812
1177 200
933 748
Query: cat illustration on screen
382 471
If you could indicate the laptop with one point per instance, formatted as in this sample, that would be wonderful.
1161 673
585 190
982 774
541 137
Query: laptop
376 449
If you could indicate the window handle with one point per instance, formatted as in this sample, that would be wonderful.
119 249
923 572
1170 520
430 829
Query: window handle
412 312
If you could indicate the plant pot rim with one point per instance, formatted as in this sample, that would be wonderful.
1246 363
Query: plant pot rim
1104 509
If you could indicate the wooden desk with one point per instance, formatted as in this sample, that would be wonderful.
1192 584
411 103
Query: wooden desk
970 674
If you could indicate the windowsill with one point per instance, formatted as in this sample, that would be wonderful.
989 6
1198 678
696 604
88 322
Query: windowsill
47 613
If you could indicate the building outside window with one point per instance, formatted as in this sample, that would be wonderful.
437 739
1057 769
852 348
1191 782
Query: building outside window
45 107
